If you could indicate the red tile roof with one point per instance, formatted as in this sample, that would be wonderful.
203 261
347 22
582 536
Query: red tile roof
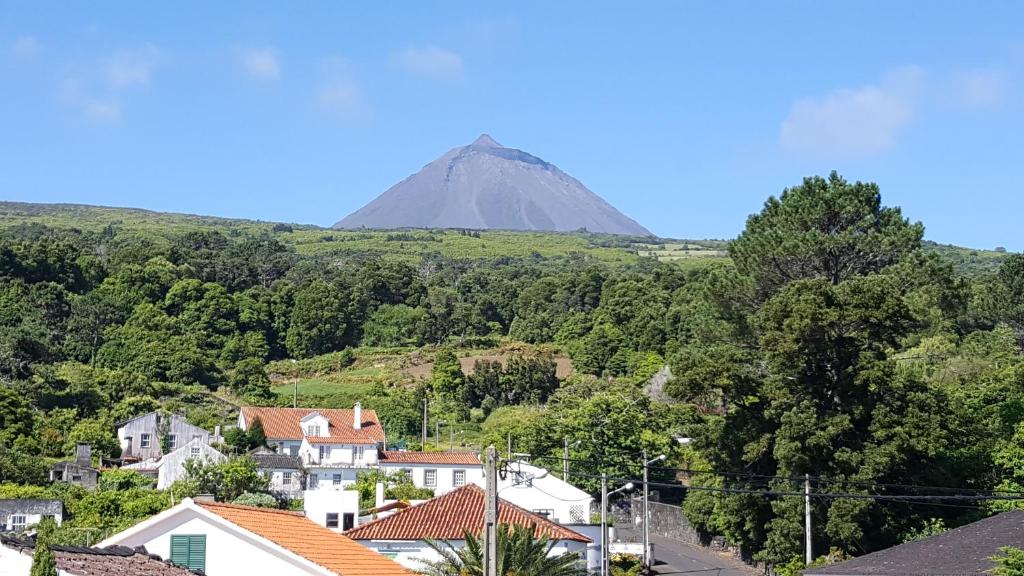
447 517
309 540
401 457
285 424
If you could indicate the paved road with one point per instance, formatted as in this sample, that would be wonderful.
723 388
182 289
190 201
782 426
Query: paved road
675 557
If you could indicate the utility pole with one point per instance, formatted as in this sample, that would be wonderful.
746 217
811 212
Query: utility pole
451 438
646 511
423 444
437 434
604 524
807 520
491 512
509 453
565 459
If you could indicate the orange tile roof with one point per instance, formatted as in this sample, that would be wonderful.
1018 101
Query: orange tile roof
447 517
285 424
293 531
401 457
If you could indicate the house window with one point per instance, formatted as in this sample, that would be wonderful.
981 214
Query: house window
314 481
76 477
324 451
357 454
293 450
172 441
286 479
336 480
196 436
18 521
146 440
458 478
544 512
313 430
194 451
189 551
332 519
348 521
430 478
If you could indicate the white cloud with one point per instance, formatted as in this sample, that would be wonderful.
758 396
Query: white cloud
853 122
131 67
25 46
340 94
102 110
261 62
432 62
980 88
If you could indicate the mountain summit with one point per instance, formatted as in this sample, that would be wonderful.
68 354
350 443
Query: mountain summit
487 186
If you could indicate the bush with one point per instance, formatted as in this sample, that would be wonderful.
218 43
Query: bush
256 499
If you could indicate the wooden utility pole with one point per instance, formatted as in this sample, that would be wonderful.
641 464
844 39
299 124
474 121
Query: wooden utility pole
647 519
491 512
565 459
604 524
808 548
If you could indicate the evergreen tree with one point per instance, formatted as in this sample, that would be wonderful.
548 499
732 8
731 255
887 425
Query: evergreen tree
43 561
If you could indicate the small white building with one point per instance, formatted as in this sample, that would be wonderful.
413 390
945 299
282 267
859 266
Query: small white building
334 445
537 490
437 471
170 468
402 535
144 437
285 474
19 514
229 540
334 509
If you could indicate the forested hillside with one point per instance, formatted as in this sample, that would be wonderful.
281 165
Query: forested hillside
832 341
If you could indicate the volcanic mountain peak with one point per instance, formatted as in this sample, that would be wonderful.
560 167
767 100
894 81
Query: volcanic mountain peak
485 185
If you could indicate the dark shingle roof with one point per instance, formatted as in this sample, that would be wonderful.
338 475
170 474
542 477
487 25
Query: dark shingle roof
31 506
265 460
963 551
111 561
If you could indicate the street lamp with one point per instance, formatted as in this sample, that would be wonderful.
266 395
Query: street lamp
647 514
605 494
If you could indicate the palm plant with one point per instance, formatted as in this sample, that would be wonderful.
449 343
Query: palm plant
521 552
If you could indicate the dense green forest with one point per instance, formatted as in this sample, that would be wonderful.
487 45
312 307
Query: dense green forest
827 339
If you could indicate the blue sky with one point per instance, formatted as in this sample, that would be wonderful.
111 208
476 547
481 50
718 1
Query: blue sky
684 115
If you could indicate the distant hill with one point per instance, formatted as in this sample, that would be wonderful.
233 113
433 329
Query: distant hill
24 219
486 186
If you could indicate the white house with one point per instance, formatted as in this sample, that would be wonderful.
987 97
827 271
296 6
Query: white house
285 473
16 560
540 492
437 471
336 509
228 540
144 437
333 444
18 514
402 535
170 468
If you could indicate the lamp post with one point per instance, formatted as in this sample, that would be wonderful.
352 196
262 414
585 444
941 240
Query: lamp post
646 512
604 518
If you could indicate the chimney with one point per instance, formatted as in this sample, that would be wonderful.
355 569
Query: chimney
379 500
204 498
357 416
216 435
83 455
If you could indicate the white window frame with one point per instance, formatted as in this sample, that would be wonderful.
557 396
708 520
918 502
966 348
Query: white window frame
456 481
286 478
195 451
430 477
15 524
336 479
325 451
313 430
146 440
337 520
172 441
358 453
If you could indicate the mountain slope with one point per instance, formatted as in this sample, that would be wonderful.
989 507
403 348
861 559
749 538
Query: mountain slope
487 186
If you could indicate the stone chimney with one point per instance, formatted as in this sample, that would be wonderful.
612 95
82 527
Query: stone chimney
204 498
357 416
83 455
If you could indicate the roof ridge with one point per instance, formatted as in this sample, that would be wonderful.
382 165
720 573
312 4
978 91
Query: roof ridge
208 504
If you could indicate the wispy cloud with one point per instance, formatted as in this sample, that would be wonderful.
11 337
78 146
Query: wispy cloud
25 46
129 68
261 62
980 88
73 93
854 122
431 62
340 94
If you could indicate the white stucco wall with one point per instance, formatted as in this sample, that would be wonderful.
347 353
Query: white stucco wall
228 553
317 503
445 474
534 489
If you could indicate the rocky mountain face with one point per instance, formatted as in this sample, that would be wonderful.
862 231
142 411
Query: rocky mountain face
487 186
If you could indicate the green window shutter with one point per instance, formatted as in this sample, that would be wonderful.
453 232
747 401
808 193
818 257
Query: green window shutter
189 551
179 550
197 552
